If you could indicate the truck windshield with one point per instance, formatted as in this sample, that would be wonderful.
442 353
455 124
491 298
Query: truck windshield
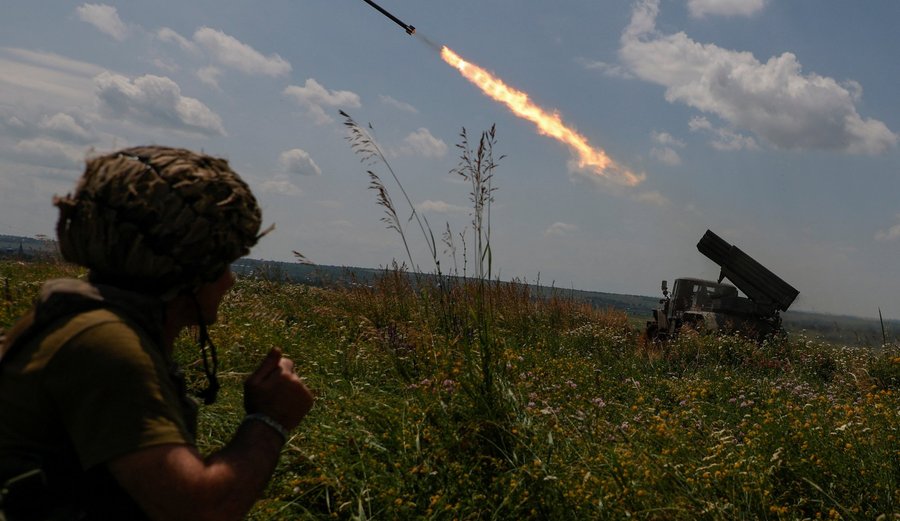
700 295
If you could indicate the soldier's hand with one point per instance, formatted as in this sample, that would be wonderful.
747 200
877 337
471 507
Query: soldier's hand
276 391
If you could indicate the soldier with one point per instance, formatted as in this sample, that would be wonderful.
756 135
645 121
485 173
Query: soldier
95 420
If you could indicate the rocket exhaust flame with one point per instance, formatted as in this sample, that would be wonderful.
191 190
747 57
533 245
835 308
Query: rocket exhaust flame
547 124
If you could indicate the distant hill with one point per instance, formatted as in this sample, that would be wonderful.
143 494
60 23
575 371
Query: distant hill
11 245
838 329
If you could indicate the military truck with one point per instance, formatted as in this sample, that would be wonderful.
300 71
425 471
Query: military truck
706 305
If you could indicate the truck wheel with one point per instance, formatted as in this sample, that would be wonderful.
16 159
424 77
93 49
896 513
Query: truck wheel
652 332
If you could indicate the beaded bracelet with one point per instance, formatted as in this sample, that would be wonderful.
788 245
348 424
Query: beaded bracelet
277 427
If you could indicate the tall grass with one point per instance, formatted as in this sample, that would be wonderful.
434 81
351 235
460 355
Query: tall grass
463 305
596 425
463 397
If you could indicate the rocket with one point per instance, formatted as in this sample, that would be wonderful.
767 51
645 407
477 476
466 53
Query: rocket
408 28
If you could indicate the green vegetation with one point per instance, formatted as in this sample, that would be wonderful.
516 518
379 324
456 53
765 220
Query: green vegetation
460 397
580 418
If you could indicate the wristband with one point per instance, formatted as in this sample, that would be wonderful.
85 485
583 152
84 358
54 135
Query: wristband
277 427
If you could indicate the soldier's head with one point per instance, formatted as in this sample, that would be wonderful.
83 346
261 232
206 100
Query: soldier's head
157 220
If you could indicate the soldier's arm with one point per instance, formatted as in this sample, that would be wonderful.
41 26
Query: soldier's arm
174 482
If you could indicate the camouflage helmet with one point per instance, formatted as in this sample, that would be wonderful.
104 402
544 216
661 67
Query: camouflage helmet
158 220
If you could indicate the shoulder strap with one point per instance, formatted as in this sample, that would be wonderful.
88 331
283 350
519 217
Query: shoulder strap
25 329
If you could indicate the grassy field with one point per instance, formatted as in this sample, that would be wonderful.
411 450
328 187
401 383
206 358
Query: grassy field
462 398
479 402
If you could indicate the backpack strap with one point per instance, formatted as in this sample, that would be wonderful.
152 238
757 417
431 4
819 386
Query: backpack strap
26 329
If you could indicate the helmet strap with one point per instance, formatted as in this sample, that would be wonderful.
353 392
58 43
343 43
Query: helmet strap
212 389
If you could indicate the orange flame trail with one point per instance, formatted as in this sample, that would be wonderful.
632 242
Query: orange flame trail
547 124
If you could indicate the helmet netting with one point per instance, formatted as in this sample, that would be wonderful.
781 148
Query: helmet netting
158 219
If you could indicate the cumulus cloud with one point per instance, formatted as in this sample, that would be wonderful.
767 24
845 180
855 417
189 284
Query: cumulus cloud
65 127
774 100
229 52
441 207
225 52
666 139
61 126
316 98
560 229
155 100
665 153
297 161
49 153
171 36
722 138
891 234
701 8
406 107
422 143
105 18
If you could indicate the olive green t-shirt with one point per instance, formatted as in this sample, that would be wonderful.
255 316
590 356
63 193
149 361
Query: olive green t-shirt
93 388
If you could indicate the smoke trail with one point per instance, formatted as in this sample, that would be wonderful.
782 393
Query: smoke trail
548 124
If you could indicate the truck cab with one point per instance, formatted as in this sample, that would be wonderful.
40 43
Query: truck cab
697 295
697 303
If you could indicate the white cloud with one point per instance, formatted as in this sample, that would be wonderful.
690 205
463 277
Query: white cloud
441 207
105 18
210 75
891 234
560 229
701 8
52 61
611 70
165 65
422 143
280 186
155 100
666 155
38 79
49 153
61 126
406 107
773 100
171 36
228 51
315 98
297 161
65 127
666 139
722 138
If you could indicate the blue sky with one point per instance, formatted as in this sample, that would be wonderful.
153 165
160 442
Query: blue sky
773 123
